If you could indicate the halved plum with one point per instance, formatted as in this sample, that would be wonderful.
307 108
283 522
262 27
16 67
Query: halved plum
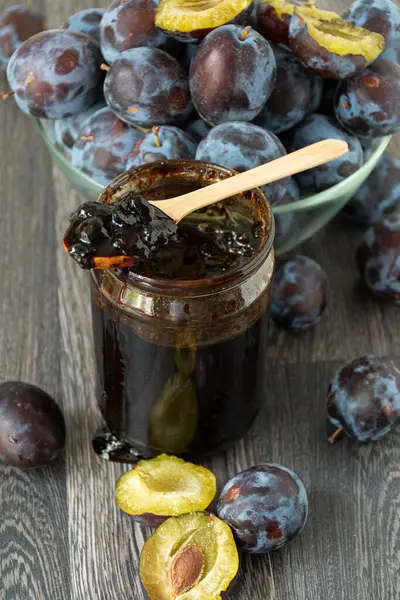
273 18
164 487
331 46
192 20
193 556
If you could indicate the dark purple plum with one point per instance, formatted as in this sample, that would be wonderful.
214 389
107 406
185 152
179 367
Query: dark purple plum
192 21
379 195
232 75
32 427
56 74
162 143
266 506
285 223
316 128
86 21
296 93
17 24
273 18
130 24
378 258
381 16
146 87
331 46
368 105
364 398
103 146
66 130
242 146
197 128
299 294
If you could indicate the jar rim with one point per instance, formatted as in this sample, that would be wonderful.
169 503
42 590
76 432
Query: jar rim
174 286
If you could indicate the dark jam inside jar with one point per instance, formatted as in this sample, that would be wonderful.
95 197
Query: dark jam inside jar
180 338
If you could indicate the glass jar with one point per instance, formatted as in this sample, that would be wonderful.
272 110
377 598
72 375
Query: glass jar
180 362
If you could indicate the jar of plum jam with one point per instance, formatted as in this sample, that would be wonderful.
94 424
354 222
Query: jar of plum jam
180 338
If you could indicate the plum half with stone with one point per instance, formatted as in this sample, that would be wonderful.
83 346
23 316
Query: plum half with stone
381 16
232 75
266 506
17 24
162 143
147 86
299 294
164 487
32 427
368 105
273 18
56 74
331 46
192 21
193 556
378 258
364 398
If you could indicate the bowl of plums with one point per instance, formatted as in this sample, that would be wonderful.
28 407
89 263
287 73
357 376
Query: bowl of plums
232 82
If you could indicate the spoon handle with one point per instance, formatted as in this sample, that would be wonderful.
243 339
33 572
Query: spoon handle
296 162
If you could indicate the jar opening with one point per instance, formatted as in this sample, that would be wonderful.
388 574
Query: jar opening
214 247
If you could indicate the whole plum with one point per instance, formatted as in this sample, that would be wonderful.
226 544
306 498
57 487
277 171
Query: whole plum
56 74
368 105
17 24
232 75
296 93
66 130
242 146
162 143
299 294
147 86
266 506
32 427
331 46
378 258
103 146
379 195
315 128
364 398
86 21
197 128
273 18
285 223
130 24
381 16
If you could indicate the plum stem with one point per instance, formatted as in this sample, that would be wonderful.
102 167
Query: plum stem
6 95
335 435
104 67
245 33
156 136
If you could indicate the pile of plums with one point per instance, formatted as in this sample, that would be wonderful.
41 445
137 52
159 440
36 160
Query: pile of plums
145 80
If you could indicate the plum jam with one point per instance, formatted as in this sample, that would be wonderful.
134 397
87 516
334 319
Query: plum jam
180 337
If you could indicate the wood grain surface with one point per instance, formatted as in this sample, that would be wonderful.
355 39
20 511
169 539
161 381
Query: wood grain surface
61 535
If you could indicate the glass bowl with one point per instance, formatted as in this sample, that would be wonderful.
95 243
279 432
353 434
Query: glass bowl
295 222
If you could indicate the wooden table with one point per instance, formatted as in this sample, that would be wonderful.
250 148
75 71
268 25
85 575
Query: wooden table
61 535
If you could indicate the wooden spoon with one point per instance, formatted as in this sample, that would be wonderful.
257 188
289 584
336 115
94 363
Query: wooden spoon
296 162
